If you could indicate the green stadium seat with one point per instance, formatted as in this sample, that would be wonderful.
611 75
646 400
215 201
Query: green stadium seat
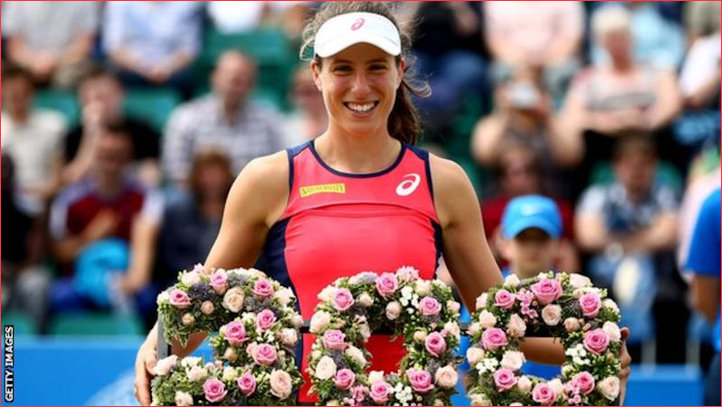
151 105
62 101
23 324
95 324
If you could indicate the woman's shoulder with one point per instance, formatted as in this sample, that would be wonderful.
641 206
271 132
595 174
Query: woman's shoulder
267 171
446 173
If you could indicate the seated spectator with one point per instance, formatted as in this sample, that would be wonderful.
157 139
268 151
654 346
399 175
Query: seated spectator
103 231
308 119
191 224
540 34
53 40
101 98
621 96
520 174
153 42
25 281
225 120
657 41
523 115
32 138
629 227
230 17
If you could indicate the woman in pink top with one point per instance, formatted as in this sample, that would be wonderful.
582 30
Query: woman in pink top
358 197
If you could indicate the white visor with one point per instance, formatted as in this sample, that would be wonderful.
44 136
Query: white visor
342 31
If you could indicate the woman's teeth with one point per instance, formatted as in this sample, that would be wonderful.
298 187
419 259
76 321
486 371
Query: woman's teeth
361 108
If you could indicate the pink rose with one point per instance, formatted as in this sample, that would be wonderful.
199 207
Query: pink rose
407 273
493 338
547 290
420 380
590 303
516 326
386 284
380 392
236 333
264 354
344 379
504 299
551 314
596 341
504 379
263 288
219 281
265 319
179 299
584 382
214 390
334 340
543 394
199 269
247 384
435 344
429 307
343 299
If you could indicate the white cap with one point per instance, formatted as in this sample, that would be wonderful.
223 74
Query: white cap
342 31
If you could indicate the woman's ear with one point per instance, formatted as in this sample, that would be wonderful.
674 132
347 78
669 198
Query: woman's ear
402 67
316 71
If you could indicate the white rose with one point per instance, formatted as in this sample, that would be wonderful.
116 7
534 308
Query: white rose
579 281
229 373
163 298
446 377
551 314
233 299
326 368
319 320
289 337
515 404
516 326
453 306
284 296
439 402
453 328
375 376
365 300
423 287
365 330
393 310
524 384
420 336
327 293
190 278
196 373
480 399
207 307
297 321
612 331
474 328
183 399
164 366
512 280
474 355
356 354
567 370
609 387
333 402
481 301
609 303
188 319
557 386
281 384
190 361
512 360
230 355
487 319
578 293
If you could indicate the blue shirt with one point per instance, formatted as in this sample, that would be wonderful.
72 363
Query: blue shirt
704 252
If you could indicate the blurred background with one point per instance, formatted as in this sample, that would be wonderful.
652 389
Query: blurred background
125 123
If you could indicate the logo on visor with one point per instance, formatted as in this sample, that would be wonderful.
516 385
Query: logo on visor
358 23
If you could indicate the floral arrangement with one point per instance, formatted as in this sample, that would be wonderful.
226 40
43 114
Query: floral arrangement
565 306
350 309
254 351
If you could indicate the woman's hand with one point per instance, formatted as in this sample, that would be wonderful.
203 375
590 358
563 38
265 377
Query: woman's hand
625 360
144 363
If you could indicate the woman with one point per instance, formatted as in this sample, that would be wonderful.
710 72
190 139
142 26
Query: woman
359 179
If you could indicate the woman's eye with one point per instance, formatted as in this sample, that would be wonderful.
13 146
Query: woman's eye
342 68
377 68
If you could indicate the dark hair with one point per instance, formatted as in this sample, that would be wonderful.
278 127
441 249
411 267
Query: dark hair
98 72
120 128
640 143
404 123
209 158
13 71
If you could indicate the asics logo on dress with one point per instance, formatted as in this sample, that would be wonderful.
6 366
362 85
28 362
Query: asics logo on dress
408 185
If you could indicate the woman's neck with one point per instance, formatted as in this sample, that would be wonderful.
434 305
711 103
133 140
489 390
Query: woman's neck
357 155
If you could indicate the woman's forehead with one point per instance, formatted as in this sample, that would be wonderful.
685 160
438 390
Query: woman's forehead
361 52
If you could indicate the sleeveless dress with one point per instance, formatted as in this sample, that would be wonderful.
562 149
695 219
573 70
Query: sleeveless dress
338 225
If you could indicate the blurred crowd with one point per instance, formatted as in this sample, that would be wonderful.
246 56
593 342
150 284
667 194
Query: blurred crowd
124 125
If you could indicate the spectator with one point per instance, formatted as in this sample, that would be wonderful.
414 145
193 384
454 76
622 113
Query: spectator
523 115
236 17
33 138
519 174
701 18
101 97
24 280
53 40
629 227
656 40
606 101
191 224
225 120
153 42
103 229
546 34
704 262
308 118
